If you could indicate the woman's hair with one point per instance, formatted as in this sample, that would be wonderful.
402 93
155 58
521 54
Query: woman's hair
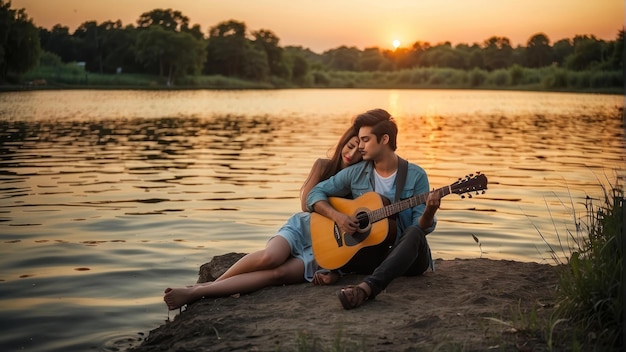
334 165
381 122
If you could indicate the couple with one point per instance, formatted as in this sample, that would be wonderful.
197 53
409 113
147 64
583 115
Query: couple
288 256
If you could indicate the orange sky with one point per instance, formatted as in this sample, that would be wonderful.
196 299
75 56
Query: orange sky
326 24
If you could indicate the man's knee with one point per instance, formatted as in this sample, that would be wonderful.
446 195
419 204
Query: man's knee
415 235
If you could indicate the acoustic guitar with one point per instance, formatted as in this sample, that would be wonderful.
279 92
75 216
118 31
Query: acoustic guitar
333 248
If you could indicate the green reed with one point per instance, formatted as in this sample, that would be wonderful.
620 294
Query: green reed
590 291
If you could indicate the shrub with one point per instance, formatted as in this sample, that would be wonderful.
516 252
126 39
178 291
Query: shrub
516 72
499 78
606 79
555 78
50 59
321 78
477 77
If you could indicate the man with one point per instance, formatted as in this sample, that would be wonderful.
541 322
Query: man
410 254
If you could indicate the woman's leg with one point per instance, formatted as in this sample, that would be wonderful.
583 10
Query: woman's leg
275 253
290 272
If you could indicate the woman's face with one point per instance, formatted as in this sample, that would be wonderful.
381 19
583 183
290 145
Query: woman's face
350 152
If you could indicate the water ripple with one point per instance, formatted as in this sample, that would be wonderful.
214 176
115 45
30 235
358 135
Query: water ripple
107 197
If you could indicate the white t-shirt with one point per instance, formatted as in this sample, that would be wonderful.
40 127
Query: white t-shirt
385 185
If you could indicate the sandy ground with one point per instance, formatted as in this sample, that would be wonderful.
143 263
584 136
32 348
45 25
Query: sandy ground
465 305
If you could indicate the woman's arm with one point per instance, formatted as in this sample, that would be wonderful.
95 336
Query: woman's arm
314 178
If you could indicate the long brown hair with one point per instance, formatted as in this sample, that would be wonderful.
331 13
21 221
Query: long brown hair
334 166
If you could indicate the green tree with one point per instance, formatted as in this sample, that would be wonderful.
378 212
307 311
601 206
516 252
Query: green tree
587 53
299 69
176 53
227 48
467 52
255 65
168 19
497 53
59 41
186 55
418 50
315 60
343 58
402 58
268 41
538 51
301 62
616 58
474 56
150 47
371 59
194 30
518 56
443 55
90 37
19 42
118 47
561 50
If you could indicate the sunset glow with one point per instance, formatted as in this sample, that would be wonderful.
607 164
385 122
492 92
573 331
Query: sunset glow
396 44
324 25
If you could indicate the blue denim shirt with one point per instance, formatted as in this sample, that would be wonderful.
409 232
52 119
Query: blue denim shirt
358 179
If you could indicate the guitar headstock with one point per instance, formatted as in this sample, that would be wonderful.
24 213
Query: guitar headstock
471 183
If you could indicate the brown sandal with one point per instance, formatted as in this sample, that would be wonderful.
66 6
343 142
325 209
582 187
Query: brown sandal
352 296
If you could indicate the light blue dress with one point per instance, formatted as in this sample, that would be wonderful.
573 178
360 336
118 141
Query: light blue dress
297 232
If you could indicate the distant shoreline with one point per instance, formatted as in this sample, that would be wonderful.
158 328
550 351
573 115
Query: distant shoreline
26 88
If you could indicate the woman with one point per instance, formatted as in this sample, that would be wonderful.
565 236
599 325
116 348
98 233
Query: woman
288 256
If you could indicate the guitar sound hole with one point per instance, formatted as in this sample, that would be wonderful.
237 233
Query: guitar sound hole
364 220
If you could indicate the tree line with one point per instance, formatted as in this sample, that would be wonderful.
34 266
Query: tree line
164 43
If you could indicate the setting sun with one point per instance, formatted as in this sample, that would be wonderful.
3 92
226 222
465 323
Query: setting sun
396 43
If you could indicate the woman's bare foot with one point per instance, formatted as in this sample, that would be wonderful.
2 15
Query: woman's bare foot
322 278
177 297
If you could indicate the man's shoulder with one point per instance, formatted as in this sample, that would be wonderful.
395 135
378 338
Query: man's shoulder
416 168
357 170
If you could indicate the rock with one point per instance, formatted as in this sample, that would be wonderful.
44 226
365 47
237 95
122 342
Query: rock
217 266
466 304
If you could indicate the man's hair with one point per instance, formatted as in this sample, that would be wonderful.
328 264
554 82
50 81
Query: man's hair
381 122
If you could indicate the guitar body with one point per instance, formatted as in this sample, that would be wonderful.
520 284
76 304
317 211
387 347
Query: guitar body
332 248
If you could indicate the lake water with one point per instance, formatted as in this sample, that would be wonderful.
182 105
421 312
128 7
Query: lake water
108 197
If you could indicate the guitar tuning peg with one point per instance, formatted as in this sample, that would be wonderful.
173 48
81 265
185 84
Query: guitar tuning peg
483 191
477 172
471 175
469 195
462 196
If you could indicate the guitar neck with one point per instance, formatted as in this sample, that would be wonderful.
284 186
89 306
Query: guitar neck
391 209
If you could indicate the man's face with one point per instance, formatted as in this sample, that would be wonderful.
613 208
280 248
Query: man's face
368 145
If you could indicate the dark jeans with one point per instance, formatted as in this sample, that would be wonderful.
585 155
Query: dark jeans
409 257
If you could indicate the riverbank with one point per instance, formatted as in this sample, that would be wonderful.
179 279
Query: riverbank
545 79
253 86
465 304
